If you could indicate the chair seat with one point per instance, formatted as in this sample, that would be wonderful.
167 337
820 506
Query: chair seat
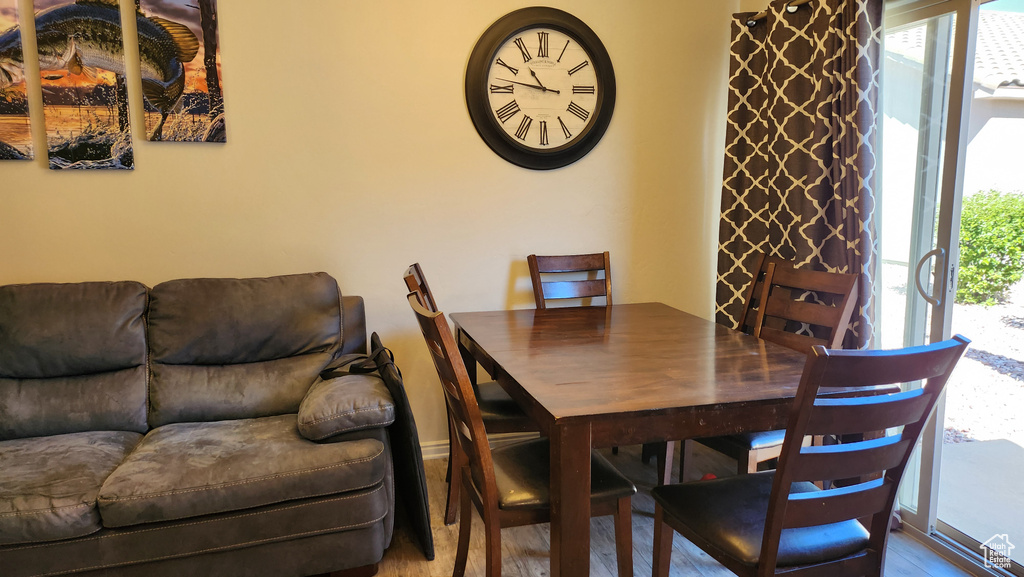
522 473
499 412
730 514
759 440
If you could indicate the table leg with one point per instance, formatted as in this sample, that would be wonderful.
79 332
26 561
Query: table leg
467 359
570 500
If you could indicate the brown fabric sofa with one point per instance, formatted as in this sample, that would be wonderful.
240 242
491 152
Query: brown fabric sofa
185 430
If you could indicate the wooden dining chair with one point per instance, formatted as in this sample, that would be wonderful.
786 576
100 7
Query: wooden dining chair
781 522
798 309
574 287
500 413
509 485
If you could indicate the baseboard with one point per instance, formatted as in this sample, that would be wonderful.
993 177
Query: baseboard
439 449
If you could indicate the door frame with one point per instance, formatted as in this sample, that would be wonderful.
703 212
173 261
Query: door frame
922 522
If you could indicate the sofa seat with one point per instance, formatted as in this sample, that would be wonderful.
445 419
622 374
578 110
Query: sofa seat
354 524
49 485
185 470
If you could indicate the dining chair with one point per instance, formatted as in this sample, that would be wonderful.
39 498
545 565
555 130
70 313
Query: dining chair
571 286
509 485
781 522
798 309
499 412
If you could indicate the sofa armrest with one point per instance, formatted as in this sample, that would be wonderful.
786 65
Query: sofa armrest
354 319
344 404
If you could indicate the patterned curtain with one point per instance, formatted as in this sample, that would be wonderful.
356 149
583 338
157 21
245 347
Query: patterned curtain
799 158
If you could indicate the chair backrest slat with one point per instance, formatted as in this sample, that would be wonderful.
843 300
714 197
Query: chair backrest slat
803 312
880 460
794 341
574 288
813 280
836 505
898 368
570 263
866 414
850 460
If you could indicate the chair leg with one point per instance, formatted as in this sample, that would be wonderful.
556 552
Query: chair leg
465 528
624 536
685 460
647 452
662 543
493 545
746 463
666 453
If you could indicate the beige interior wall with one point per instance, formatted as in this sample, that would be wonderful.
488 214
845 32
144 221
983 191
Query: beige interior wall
351 151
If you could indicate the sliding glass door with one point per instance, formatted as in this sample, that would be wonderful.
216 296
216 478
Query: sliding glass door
927 86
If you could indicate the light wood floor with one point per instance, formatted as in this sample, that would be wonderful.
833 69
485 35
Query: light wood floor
525 549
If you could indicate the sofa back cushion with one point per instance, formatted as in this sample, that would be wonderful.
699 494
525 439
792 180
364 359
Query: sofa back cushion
239 348
72 358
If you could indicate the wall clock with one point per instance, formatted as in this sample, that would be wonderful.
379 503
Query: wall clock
540 88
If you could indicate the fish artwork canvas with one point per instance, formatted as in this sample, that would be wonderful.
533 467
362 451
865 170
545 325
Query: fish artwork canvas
179 53
15 125
85 95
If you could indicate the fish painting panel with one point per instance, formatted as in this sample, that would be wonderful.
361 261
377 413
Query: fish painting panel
85 96
179 53
15 126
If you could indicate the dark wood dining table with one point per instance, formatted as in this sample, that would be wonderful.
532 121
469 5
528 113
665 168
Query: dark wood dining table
619 375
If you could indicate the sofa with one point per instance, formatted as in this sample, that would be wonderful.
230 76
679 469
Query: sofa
186 430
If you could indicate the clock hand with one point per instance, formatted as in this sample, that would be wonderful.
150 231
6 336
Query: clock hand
535 77
534 86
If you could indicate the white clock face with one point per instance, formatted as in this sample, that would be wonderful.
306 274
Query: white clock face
542 88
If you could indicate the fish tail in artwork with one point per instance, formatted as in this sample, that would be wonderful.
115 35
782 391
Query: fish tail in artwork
165 95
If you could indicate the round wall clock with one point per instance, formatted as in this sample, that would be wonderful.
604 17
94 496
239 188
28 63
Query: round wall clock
540 88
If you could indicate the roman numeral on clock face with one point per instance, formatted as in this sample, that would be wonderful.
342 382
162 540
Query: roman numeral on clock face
543 132
514 71
578 89
501 89
542 45
524 50
507 111
579 111
524 127
562 53
579 67
565 129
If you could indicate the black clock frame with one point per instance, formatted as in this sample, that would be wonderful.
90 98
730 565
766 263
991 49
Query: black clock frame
477 96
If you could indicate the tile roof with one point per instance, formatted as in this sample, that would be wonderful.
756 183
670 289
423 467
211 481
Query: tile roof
999 60
999 57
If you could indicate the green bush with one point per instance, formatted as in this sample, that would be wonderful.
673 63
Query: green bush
991 246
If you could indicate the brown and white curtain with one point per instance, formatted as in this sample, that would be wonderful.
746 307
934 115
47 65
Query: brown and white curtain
800 147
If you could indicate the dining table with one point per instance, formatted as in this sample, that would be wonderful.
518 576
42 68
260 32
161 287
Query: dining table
604 376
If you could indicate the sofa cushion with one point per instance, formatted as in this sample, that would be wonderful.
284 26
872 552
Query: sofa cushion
344 404
212 341
48 485
187 470
72 358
